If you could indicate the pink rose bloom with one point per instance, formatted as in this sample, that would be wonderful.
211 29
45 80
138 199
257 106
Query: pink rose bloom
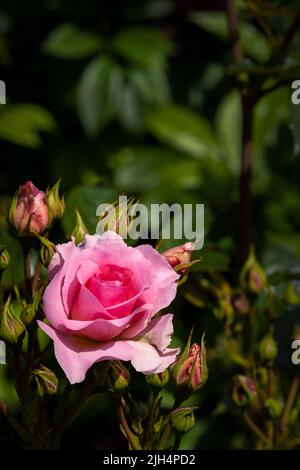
31 211
100 302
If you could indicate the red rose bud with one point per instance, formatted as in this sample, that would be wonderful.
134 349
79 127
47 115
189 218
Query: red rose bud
45 381
29 212
268 348
117 376
189 372
4 259
244 391
55 203
80 229
179 257
183 419
159 380
11 326
252 275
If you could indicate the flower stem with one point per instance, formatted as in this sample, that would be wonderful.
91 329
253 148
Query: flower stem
292 395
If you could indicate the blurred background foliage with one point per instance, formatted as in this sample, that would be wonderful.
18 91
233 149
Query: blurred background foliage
139 97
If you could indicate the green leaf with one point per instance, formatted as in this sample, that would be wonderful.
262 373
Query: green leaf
99 94
183 130
229 128
15 272
67 41
212 261
86 200
253 42
159 167
21 124
143 46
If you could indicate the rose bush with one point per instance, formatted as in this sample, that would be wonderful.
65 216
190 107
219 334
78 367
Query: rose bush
100 302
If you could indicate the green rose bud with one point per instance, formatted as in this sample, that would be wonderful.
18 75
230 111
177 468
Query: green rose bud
159 380
80 229
30 310
11 326
45 381
252 276
183 419
55 203
273 407
4 258
117 376
268 348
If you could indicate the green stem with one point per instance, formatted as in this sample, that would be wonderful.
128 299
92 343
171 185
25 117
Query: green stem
292 395
131 437
255 429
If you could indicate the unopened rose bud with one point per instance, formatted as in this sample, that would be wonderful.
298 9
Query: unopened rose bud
29 212
11 326
30 310
179 257
244 391
274 407
159 380
80 229
45 381
242 305
55 203
116 217
268 348
262 376
252 276
189 372
4 259
183 419
117 376
46 255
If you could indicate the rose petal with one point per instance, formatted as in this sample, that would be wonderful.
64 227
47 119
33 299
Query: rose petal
76 355
159 331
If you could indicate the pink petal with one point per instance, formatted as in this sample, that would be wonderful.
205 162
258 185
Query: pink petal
159 331
76 355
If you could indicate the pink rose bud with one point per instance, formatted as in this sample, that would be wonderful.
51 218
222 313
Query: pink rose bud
190 371
179 257
29 212
244 392
252 276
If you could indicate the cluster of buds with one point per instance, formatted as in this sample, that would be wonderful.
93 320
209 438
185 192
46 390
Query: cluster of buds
33 211
189 372
16 315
